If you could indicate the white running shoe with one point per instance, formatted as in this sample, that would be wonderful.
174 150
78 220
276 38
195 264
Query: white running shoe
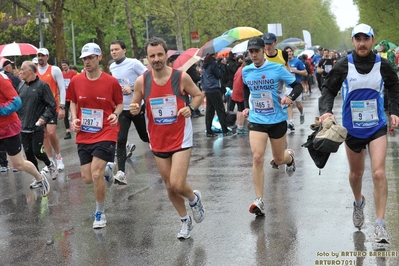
120 178
99 220
185 228
258 207
60 164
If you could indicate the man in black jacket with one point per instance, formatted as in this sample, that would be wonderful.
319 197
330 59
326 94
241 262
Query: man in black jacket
211 75
38 107
362 76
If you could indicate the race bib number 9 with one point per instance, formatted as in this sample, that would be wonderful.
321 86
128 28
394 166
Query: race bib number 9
164 110
364 113
92 120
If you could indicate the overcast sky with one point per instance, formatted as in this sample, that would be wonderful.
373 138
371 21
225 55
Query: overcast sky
346 13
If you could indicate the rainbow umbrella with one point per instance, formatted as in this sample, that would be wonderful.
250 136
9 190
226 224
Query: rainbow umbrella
243 33
215 45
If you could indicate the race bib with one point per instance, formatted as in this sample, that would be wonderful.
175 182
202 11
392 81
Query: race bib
263 103
364 113
66 83
164 110
92 120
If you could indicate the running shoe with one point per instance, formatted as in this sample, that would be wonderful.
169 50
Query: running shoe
129 150
302 119
109 173
60 164
198 209
291 126
68 135
43 184
229 134
381 235
4 169
99 220
258 207
273 164
186 226
358 215
242 131
291 166
120 178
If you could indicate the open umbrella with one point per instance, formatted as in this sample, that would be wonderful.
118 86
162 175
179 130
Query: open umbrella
294 41
241 47
186 59
297 52
309 53
14 49
243 32
216 45
224 53
281 46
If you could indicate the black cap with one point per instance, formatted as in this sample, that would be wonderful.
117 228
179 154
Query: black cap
269 38
320 48
255 43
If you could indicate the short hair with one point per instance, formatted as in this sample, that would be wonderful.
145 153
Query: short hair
155 41
121 43
325 49
30 65
288 47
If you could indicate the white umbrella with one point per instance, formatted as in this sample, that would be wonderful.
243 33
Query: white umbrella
241 47
14 49
309 53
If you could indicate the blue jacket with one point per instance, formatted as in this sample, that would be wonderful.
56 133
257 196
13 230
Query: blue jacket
211 74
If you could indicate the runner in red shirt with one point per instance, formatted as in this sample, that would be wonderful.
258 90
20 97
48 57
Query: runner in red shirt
168 115
96 102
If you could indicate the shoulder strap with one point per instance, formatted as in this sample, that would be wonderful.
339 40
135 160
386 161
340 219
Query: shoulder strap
176 85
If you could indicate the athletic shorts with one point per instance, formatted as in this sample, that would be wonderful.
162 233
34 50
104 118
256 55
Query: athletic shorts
165 155
357 145
105 150
12 144
275 131
53 120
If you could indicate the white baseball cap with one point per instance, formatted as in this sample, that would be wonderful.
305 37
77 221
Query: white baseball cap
35 60
89 49
43 51
363 28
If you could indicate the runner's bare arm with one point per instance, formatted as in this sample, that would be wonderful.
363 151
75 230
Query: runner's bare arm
137 96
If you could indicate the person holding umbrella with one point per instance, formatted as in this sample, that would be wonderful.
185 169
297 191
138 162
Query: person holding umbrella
364 74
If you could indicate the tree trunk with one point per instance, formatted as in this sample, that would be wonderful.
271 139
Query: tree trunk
58 30
132 32
101 43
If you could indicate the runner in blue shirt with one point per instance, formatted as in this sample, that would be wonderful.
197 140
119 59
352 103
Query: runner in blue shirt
267 115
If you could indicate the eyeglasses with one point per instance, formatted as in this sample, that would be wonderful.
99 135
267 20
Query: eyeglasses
41 55
90 57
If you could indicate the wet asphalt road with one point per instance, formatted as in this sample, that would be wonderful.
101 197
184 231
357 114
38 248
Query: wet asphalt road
308 216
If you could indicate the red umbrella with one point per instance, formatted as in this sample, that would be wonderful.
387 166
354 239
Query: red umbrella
186 59
14 49
224 53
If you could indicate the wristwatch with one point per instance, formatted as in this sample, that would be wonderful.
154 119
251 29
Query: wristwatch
116 115
62 107
191 108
